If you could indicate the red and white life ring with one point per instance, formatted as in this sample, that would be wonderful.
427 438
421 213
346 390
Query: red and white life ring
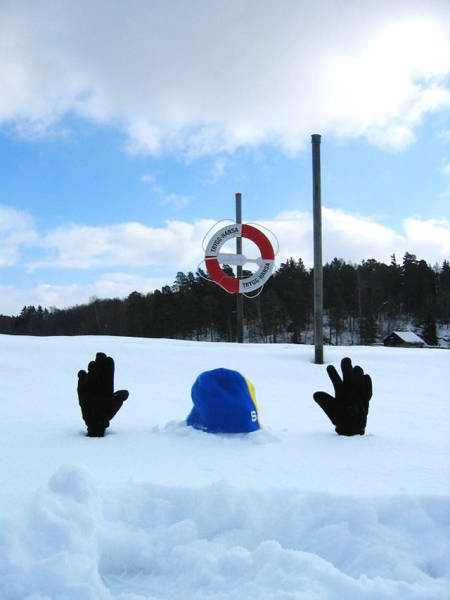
247 284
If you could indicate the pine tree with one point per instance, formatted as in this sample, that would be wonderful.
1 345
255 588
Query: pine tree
429 331
367 329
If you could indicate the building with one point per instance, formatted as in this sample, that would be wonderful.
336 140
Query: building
404 339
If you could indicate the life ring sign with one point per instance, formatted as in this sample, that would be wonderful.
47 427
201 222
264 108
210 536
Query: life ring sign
213 258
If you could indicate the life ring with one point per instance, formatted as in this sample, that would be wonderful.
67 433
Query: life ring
247 284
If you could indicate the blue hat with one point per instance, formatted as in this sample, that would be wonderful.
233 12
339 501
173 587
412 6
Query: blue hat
224 402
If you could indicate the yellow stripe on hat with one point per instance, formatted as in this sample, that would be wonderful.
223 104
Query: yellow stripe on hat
251 389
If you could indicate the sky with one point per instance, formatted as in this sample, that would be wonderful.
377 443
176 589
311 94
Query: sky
127 128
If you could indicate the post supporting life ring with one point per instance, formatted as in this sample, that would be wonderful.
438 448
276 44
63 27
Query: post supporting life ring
266 261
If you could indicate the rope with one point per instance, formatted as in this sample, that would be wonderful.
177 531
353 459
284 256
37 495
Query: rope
209 278
211 228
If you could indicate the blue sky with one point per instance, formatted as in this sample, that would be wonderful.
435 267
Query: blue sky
125 132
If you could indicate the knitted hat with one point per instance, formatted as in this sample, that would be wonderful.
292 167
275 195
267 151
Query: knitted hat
224 402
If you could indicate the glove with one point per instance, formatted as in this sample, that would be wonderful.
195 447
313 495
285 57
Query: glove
348 410
98 401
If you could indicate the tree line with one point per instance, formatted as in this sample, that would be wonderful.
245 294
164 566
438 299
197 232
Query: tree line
363 303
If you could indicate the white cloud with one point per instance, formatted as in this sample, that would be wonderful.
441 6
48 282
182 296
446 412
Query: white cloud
17 230
430 237
346 236
206 77
355 238
127 244
147 178
178 245
12 298
120 285
359 237
110 285
445 169
165 198
217 171
175 200
158 253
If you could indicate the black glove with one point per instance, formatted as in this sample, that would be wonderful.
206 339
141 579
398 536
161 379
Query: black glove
98 401
348 410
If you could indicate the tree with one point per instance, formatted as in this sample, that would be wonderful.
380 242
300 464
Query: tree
137 315
443 293
367 329
339 279
418 286
429 331
366 299
293 286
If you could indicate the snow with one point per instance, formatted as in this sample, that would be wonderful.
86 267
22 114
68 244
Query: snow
158 510
409 337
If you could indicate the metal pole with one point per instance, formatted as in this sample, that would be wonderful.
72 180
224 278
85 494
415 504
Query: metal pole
239 297
318 273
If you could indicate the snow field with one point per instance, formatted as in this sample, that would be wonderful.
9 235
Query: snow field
156 510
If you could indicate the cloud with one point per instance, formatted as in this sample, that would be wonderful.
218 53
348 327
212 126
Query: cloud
175 200
430 237
126 244
351 237
159 252
355 237
217 171
119 285
17 230
207 77
445 170
165 198
147 178
178 244
110 285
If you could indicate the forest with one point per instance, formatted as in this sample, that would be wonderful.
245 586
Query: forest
363 303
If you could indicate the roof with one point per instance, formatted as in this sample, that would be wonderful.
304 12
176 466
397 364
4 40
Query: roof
409 337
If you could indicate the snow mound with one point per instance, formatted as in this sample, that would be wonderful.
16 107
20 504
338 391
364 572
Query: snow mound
146 542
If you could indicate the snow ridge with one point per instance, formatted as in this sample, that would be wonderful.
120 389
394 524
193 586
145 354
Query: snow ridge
146 542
